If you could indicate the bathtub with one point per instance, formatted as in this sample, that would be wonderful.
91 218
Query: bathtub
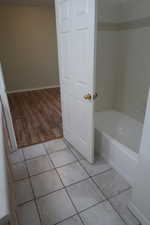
117 139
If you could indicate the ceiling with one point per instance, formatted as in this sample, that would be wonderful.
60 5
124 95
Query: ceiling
49 3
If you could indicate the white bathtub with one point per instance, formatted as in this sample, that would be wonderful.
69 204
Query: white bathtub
118 140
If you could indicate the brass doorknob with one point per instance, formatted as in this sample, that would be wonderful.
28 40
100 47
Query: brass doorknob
88 97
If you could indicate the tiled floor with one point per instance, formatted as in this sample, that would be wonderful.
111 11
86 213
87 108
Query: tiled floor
55 185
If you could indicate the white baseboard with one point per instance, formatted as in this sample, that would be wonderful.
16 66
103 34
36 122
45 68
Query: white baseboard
138 214
32 89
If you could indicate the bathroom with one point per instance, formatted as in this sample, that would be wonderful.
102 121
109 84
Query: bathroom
64 181
122 81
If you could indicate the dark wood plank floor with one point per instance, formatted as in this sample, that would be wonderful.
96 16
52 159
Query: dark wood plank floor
36 116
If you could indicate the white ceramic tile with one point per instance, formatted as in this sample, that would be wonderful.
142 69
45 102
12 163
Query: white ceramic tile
120 203
111 183
38 165
17 156
55 208
62 158
46 183
101 214
72 173
75 220
23 191
55 145
34 151
28 215
76 153
99 166
19 171
85 194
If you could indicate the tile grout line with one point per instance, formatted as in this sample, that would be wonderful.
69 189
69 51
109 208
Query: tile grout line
40 219
40 173
66 193
74 206
79 182
117 212
113 196
14 183
24 203
89 178
99 202
135 216
36 157
107 199
42 155
67 164
37 198
52 169
65 187
71 201
65 219
96 185
41 196
121 192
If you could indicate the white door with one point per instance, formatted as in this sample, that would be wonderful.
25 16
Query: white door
76 32
6 109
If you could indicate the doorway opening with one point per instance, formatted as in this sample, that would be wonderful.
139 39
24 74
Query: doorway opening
36 116
30 68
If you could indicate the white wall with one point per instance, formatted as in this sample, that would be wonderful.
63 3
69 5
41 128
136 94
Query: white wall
140 203
134 76
135 72
107 55
28 47
109 10
135 9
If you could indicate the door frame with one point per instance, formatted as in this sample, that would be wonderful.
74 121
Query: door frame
6 111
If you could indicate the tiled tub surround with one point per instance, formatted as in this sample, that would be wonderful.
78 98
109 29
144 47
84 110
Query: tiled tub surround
123 53
55 185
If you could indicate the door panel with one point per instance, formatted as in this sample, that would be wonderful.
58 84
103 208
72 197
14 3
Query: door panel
76 23
64 12
82 49
66 57
82 14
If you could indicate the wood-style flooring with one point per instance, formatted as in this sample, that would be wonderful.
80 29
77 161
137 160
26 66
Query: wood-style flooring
36 116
